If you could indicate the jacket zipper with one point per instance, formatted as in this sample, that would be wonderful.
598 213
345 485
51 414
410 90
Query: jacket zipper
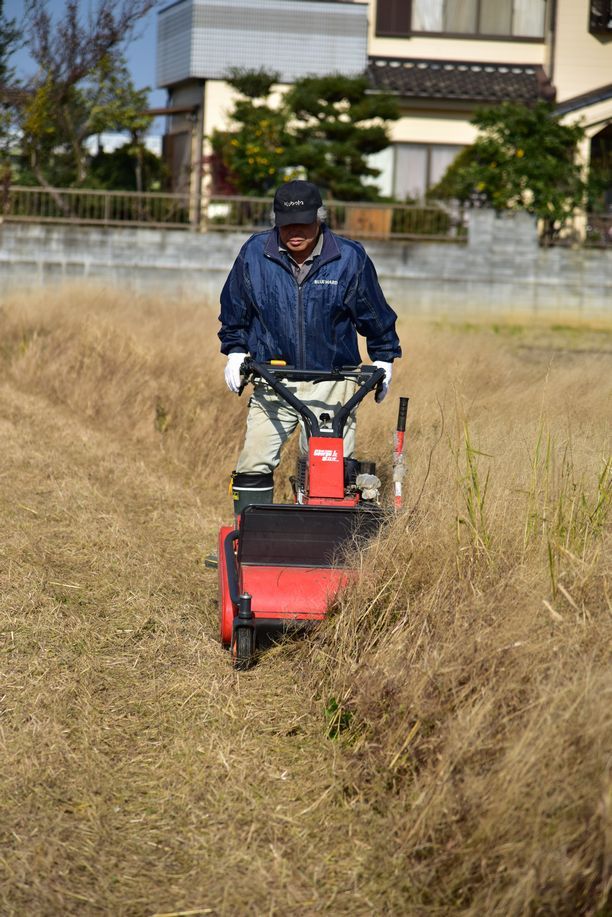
301 324
301 343
300 309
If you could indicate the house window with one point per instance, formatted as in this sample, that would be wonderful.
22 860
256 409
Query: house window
393 18
600 20
486 18
508 18
418 166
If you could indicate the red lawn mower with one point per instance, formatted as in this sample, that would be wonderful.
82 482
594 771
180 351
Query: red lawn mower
283 564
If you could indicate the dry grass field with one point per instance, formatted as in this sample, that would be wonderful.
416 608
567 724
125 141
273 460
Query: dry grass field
442 745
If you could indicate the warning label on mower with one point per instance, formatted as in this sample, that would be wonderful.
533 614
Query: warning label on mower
326 455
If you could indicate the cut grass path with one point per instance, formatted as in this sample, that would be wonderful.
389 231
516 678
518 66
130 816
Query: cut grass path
141 775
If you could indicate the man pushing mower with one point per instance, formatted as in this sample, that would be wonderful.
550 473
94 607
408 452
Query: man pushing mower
299 294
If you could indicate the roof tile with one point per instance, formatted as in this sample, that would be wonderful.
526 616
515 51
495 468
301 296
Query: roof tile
465 80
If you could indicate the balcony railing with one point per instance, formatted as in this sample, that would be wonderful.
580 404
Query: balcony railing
220 213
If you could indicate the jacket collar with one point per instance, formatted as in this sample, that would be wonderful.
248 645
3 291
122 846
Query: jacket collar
330 250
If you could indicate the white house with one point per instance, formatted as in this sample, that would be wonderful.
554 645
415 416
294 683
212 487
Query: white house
442 58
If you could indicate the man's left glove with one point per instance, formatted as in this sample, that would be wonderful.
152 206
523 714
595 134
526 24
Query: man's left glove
233 379
386 382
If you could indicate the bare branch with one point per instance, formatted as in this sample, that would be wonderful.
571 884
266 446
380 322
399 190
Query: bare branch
69 48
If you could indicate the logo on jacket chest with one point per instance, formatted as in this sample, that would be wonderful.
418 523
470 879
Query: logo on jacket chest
332 283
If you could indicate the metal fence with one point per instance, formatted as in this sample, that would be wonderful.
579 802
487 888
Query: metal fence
586 230
220 213
598 230
582 230
356 219
89 207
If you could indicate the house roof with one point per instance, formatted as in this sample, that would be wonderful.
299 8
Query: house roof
460 80
601 94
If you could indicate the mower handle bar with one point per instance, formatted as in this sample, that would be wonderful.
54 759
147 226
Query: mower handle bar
367 377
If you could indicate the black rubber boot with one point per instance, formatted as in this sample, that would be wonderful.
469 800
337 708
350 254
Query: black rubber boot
248 489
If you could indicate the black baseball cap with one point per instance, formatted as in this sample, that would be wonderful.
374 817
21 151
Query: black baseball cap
296 202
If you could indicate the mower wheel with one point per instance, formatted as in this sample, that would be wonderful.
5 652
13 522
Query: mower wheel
243 647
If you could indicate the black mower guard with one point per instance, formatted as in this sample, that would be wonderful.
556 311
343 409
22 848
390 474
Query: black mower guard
291 535
285 536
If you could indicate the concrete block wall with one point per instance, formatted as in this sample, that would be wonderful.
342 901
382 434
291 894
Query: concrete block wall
500 270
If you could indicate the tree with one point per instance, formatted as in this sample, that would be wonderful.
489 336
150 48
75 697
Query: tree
250 155
70 48
56 125
9 38
523 159
82 86
336 125
126 169
112 103
324 127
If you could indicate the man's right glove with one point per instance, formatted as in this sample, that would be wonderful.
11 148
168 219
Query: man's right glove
233 379
386 382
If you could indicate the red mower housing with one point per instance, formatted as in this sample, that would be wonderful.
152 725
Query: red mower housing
284 564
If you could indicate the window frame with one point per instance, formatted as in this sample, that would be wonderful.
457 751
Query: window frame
429 147
393 34
472 36
601 30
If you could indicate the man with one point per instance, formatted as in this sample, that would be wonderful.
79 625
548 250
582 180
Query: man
299 293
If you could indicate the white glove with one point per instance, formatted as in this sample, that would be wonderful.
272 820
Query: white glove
386 382
233 379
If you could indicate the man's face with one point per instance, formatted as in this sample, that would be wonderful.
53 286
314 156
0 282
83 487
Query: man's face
299 238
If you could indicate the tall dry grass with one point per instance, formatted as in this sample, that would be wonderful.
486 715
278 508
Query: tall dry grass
464 681
469 668
144 367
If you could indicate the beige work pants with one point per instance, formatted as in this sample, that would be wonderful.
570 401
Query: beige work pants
271 421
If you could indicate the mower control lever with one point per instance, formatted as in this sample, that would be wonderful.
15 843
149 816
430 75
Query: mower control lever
367 378
359 374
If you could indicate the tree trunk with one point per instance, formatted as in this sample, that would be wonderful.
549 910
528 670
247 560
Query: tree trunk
77 148
139 170
42 181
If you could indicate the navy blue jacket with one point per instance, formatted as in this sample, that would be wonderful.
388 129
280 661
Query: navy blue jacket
312 325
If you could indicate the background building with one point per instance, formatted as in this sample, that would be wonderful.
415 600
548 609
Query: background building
199 40
441 59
